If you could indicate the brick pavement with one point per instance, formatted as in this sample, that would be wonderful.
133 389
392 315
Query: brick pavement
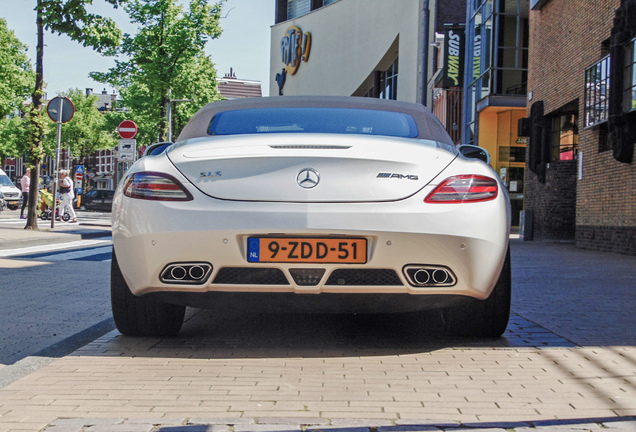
387 373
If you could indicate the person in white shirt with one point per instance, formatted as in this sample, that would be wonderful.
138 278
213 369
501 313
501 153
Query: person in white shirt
25 183
67 195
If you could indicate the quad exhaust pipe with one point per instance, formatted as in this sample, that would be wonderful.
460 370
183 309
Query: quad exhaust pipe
429 276
193 273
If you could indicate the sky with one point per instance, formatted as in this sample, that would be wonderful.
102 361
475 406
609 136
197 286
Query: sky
244 45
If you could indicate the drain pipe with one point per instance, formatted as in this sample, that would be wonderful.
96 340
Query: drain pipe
426 25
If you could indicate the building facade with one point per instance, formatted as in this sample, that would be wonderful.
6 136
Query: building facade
495 87
352 48
581 122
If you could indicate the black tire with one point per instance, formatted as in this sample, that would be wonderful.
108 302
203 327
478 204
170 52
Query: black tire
13 207
44 216
141 316
66 217
483 318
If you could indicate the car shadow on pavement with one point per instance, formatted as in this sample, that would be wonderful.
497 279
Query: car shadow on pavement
208 334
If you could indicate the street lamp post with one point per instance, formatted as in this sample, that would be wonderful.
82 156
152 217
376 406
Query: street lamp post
169 113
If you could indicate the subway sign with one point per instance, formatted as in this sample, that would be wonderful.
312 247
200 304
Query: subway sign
453 56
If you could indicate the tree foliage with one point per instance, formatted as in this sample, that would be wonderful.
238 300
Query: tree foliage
165 60
72 18
13 137
16 83
16 73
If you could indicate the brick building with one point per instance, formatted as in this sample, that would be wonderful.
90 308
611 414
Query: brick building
581 180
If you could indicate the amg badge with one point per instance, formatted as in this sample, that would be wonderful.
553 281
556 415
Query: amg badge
397 176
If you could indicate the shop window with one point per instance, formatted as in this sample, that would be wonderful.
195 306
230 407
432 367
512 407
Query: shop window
386 83
389 83
564 142
597 86
629 78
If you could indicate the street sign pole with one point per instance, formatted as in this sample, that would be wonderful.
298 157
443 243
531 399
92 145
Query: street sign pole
59 115
57 160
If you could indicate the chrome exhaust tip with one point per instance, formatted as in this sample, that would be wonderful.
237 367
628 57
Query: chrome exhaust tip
429 276
191 273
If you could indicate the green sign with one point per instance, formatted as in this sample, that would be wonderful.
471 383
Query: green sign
453 57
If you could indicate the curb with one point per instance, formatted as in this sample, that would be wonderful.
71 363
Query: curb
49 237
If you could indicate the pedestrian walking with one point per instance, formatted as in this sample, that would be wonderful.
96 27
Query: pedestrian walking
25 184
67 195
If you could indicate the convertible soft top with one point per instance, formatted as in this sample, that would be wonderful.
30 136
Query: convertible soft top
428 126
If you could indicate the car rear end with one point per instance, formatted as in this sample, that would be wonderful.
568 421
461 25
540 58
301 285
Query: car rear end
375 223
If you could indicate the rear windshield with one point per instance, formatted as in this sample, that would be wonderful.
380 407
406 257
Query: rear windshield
313 120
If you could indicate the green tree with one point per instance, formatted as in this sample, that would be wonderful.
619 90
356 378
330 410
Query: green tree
68 17
165 60
13 137
16 73
16 83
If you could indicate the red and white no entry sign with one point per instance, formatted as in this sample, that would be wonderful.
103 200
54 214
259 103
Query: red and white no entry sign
127 129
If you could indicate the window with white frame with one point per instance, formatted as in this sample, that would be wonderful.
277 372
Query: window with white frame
104 161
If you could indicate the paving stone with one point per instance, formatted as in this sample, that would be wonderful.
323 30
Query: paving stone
221 421
434 423
87 421
194 428
292 420
623 425
352 423
496 425
408 428
156 421
65 428
343 428
267 428
129 427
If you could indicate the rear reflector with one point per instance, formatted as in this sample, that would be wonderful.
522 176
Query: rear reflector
155 186
464 188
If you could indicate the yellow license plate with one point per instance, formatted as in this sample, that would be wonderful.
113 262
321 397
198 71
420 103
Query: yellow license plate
307 250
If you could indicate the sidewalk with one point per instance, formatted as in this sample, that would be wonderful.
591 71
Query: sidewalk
13 235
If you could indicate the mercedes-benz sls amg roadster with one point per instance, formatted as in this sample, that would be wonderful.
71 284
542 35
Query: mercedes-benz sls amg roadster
311 204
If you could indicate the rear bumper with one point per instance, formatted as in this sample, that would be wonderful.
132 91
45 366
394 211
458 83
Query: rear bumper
470 240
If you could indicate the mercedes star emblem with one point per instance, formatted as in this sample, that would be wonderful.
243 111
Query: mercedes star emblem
308 178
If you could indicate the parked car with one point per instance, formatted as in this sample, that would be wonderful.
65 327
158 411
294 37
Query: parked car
311 204
12 195
97 199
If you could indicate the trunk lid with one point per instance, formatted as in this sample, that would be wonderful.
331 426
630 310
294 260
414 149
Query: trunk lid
310 167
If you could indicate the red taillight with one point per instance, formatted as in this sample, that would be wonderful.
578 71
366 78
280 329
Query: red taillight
464 188
155 186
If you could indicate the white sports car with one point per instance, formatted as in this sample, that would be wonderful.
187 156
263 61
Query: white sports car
311 204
